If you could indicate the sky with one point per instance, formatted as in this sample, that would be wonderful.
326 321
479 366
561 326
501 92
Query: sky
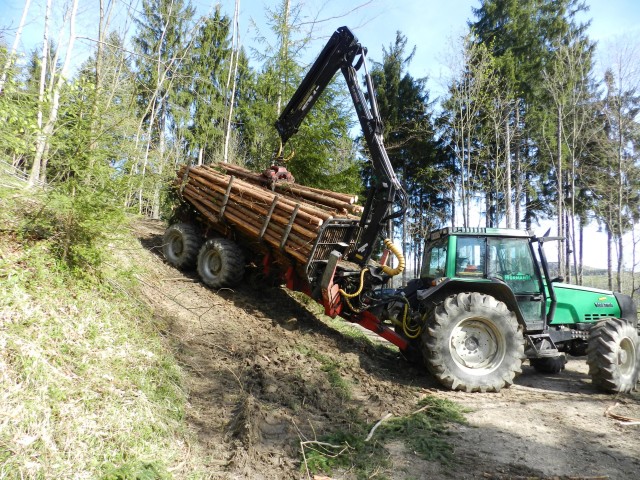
432 26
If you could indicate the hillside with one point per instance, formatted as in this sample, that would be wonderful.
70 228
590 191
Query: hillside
266 377
138 371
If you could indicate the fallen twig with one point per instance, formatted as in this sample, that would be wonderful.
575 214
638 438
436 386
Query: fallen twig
622 420
386 417
422 409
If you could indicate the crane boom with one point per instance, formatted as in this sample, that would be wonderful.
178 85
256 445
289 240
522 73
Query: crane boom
339 53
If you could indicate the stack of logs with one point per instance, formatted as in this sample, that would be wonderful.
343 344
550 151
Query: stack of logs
288 217
339 203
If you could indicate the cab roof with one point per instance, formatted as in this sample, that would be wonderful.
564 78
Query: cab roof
479 231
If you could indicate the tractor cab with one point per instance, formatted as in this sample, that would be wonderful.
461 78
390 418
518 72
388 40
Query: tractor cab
502 257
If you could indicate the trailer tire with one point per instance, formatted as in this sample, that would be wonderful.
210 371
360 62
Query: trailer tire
612 355
549 364
220 263
180 245
473 343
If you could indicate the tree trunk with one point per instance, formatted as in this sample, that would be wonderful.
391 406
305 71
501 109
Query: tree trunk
41 138
609 258
235 48
404 247
619 215
560 191
518 173
507 159
14 47
284 53
580 266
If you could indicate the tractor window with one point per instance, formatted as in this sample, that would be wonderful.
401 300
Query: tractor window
470 253
435 260
510 260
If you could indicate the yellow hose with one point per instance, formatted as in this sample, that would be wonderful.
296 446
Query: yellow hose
356 293
396 251
387 270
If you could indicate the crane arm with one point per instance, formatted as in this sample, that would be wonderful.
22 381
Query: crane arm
339 53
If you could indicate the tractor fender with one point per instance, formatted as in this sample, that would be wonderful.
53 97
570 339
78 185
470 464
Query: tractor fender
628 309
494 287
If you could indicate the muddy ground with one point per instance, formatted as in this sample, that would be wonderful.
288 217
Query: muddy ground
256 389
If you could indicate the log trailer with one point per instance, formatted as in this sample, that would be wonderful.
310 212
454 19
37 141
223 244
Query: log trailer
483 303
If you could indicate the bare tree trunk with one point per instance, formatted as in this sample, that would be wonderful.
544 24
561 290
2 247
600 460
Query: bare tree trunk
162 151
404 247
620 264
572 183
568 241
580 266
453 204
507 155
96 120
41 139
560 202
284 49
609 258
634 262
518 174
466 209
619 209
14 47
235 49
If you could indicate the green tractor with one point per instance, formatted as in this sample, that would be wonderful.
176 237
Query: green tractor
486 301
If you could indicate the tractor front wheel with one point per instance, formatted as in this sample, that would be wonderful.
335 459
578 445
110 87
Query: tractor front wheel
473 343
612 355
220 263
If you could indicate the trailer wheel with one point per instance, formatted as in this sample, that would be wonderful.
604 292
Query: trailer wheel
612 355
473 343
549 364
180 245
220 263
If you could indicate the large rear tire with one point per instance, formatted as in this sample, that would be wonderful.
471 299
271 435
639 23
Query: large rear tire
220 263
473 343
612 355
180 245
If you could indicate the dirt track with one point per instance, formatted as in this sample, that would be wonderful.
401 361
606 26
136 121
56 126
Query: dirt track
256 389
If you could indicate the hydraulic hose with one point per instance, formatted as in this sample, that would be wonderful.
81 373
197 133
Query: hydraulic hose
357 292
387 270
398 254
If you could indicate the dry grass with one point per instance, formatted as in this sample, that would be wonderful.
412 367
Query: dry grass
87 387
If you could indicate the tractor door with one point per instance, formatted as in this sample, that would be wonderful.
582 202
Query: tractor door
511 260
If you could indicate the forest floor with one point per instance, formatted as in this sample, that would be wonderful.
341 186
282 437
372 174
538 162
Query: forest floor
267 378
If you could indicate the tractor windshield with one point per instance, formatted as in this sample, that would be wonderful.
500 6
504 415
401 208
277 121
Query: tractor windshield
510 260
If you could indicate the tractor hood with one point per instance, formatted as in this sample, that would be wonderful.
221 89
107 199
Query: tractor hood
585 304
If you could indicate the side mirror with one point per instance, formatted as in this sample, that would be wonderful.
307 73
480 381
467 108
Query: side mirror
557 279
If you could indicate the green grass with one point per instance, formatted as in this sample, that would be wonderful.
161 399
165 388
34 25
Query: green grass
423 432
332 368
87 387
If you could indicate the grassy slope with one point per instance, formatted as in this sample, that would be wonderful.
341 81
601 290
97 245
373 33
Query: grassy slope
87 388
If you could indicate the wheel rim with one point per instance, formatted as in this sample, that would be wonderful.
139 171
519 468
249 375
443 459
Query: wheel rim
177 245
213 263
477 346
626 356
